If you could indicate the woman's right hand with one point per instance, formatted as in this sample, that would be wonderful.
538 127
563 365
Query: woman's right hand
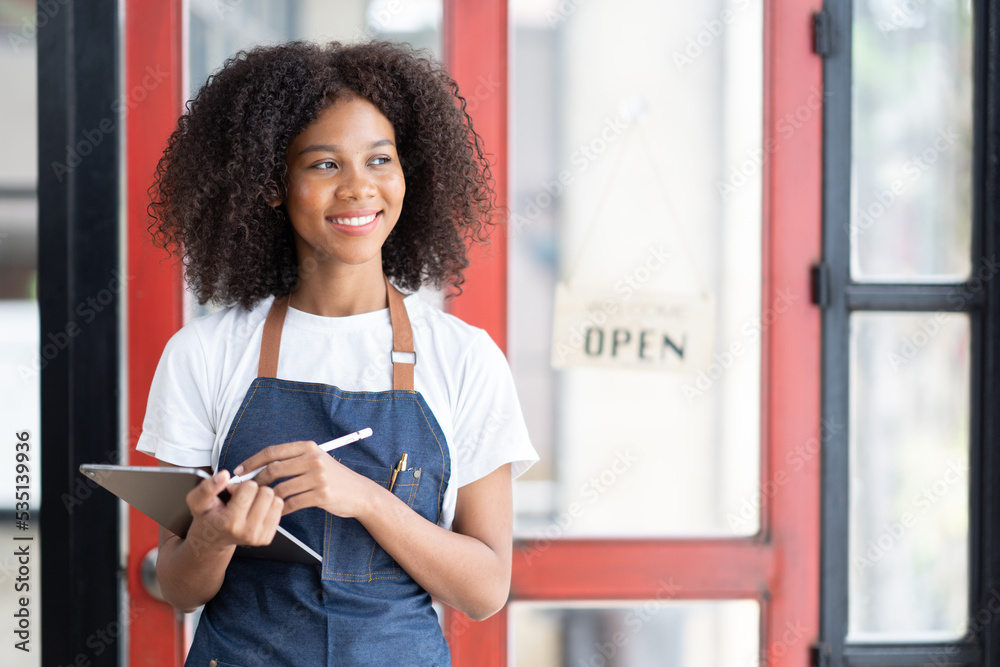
191 570
250 517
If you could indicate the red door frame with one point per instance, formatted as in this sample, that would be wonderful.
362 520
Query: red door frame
153 65
478 63
779 567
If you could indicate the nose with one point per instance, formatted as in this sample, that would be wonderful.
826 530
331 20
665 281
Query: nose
355 184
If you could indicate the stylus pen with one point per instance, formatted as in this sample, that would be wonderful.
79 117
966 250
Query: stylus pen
326 447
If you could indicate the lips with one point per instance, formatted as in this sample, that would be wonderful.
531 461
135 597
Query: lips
356 223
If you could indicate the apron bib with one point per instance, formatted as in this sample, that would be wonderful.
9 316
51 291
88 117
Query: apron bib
359 607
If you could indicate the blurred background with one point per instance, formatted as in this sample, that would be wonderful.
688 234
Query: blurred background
640 139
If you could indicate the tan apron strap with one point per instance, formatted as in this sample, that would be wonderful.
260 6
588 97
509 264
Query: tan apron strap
270 343
402 354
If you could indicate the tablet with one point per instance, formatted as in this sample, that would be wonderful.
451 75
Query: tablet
160 493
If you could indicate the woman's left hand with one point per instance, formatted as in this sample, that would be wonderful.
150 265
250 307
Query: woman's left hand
315 479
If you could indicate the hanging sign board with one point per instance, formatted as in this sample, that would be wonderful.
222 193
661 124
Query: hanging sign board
663 332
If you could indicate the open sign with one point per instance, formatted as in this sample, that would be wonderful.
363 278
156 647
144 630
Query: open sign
664 332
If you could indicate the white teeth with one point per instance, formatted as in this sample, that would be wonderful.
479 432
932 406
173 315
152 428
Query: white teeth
355 222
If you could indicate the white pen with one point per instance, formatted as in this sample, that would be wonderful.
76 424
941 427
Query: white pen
326 447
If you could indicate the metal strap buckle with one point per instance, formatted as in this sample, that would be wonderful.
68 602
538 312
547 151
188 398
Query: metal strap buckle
403 357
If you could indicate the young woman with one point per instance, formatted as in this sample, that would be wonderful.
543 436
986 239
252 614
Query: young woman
304 185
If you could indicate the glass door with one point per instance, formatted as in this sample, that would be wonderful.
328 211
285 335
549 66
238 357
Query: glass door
653 290
909 334
661 165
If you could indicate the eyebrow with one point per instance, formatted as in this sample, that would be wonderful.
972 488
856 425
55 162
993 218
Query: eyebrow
331 148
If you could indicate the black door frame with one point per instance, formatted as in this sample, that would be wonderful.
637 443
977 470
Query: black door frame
79 298
840 296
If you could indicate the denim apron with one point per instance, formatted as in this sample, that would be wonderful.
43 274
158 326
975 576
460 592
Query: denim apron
359 607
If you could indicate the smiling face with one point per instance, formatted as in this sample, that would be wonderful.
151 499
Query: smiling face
345 185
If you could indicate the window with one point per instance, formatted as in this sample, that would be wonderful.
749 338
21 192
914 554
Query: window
907 283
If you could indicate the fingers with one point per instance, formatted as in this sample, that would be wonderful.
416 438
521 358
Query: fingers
250 517
205 496
281 452
296 485
308 490
262 517
242 497
300 461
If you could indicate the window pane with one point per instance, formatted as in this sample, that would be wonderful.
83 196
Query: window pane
636 634
219 29
909 484
636 181
912 141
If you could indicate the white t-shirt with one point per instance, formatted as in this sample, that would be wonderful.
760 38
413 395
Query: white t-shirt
208 365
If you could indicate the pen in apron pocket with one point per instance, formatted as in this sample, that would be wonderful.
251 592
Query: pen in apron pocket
400 467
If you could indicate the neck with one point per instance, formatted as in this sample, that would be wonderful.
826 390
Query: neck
337 290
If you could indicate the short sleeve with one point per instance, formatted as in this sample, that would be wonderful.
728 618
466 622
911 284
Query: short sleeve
178 427
489 425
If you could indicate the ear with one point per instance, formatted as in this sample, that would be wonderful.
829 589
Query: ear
275 203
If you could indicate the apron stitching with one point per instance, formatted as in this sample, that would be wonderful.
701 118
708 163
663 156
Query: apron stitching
371 557
343 392
345 395
372 576
443 461
222 463
326 538
413 488
376 400
377 396
362 578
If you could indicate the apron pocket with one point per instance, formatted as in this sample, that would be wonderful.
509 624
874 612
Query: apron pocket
350 553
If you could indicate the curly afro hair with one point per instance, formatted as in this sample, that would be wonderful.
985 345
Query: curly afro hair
226 161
